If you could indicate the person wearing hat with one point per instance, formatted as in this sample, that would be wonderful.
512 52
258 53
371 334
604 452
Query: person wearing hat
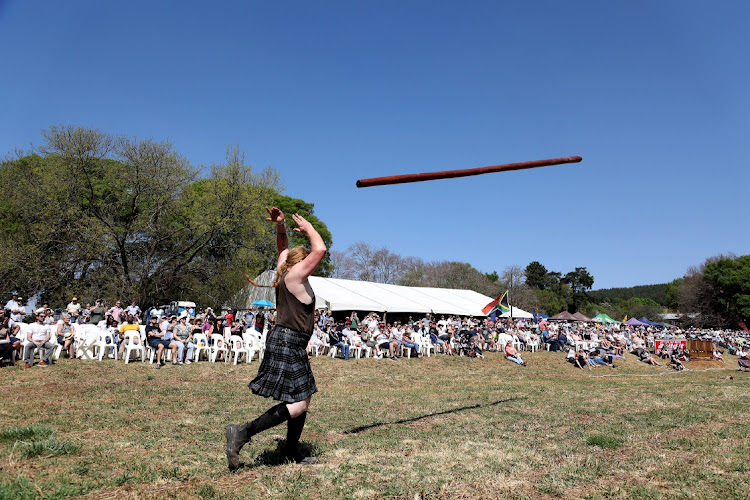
74 309
12 303
97 312
285 373
19 311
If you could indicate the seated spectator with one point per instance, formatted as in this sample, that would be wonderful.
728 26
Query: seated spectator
511 354
718 355
64 332
383 342
335 339
314 342
675 362
743 358
155 338
408 342
646 358
10 331
129 326
183 336
38 338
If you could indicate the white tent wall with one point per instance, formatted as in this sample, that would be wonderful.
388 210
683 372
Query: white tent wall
348 295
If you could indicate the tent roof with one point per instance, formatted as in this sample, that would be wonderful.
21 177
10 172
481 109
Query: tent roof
563 316
350 295
603 318
581 317
518 313
635 322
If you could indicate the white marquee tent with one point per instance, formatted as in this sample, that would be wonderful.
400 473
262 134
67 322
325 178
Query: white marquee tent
348 295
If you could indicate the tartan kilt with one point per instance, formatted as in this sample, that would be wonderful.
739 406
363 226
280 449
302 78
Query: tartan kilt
285 373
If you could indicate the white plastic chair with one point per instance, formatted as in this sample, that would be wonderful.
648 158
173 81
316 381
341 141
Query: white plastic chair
252 344
85 338
133 342
103 346
238 348
218 344
201 346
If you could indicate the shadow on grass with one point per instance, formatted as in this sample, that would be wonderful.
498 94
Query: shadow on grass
275 457
362 428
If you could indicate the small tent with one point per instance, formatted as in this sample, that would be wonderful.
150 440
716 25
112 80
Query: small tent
604 319
635 322
580 317
563 316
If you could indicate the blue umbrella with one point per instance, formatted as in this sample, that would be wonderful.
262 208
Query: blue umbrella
263 303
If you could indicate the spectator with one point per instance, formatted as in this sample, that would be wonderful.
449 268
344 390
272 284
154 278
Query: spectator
133 310
97 312
408 342
74 309
155 337
65 334
39 338
116 312
130 325
183 336
511 354
335 339
18 312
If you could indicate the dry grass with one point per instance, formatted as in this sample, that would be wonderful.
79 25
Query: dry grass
429 428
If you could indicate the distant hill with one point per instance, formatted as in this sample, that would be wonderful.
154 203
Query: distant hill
657 293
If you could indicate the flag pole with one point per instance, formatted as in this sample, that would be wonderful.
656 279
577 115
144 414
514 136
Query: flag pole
510 304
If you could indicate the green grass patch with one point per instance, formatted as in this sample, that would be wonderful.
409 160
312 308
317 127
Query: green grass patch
25 433
604 441
429 428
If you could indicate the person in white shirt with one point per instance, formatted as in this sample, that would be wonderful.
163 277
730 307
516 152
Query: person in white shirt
12 303
134 310
39 338
19 311
74 309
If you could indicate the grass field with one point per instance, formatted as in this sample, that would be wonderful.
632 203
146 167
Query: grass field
443 427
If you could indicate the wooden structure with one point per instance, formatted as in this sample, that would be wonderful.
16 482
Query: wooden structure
701 350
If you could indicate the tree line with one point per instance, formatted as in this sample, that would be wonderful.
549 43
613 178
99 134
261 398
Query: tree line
105 216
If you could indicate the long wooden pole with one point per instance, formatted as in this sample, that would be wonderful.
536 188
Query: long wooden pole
449 174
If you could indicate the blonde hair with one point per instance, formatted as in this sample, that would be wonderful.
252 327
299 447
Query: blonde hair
294 256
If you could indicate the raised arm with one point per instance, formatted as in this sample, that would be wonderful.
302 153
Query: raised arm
303 269
282 239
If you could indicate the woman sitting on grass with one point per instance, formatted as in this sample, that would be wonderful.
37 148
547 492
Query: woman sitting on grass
646 358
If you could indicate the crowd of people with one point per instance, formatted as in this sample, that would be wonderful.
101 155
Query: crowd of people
587 345
164 330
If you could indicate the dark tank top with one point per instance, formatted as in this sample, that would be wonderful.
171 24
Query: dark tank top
292 313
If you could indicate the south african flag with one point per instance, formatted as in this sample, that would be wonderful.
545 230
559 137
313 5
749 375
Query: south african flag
500 305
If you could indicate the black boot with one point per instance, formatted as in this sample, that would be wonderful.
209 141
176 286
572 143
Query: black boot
293 433
239 435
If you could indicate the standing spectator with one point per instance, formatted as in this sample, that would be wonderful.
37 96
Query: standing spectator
247 318
38 338
134 310
18 312
12 304
97 312
74 309
116 312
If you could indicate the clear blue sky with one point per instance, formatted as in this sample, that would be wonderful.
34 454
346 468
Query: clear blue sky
655 95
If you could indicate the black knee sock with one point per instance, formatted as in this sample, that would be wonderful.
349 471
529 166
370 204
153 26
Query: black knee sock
273 417
293 433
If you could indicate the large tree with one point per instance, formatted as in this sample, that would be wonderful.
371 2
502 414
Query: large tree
100 215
